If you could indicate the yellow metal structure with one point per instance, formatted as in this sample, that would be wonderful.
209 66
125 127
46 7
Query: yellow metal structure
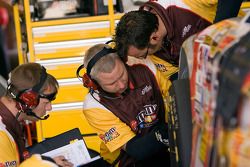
59 45
64 120
245 6
18 34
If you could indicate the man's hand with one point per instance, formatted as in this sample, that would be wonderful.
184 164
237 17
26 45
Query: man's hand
60 160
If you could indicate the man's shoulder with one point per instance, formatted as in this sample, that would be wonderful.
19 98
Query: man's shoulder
166 4
4 133
147 64
36 160
91 102
7 143
140 69
138 66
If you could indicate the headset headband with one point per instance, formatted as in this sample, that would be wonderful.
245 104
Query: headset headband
38 86
97 57
43 77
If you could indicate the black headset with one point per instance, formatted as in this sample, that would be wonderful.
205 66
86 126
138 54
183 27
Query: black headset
87 81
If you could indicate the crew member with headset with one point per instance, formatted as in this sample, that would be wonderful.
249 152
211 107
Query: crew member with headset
28 97
125 106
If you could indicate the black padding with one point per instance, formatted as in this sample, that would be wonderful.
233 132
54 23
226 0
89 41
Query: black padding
183 67
180 123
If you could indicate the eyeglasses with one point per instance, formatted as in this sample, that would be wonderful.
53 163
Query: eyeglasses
50 97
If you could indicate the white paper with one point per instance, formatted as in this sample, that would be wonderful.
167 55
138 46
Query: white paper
75 153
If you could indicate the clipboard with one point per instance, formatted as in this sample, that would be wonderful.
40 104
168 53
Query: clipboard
64 140
56 141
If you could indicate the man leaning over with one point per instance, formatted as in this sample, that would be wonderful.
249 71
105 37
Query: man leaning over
125 106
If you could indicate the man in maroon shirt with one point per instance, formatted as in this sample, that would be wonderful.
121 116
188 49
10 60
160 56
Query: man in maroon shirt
160 27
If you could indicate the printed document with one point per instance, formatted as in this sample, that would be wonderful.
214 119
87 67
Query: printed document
75 153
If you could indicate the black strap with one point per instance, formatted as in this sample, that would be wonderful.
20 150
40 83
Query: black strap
43 77
105 51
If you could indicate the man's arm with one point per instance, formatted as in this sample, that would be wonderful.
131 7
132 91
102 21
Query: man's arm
141 147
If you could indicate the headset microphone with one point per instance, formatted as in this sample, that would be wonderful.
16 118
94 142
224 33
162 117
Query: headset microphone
43 118
30 113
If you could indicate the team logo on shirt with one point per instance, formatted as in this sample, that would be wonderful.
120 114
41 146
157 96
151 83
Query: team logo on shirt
146 89
110 135
8 164
161 67
185 30
147 116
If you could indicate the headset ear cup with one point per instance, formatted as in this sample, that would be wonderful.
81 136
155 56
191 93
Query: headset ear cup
30 99
88 82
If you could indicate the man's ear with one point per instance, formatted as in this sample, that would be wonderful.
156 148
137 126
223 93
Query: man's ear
154 38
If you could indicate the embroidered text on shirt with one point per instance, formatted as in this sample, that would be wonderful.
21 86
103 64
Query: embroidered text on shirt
146 89
185 30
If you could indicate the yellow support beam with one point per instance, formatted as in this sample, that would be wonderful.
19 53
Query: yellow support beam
111 16
18 34
29 31
245 5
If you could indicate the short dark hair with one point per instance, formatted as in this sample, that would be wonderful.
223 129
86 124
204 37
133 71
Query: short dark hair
134 28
